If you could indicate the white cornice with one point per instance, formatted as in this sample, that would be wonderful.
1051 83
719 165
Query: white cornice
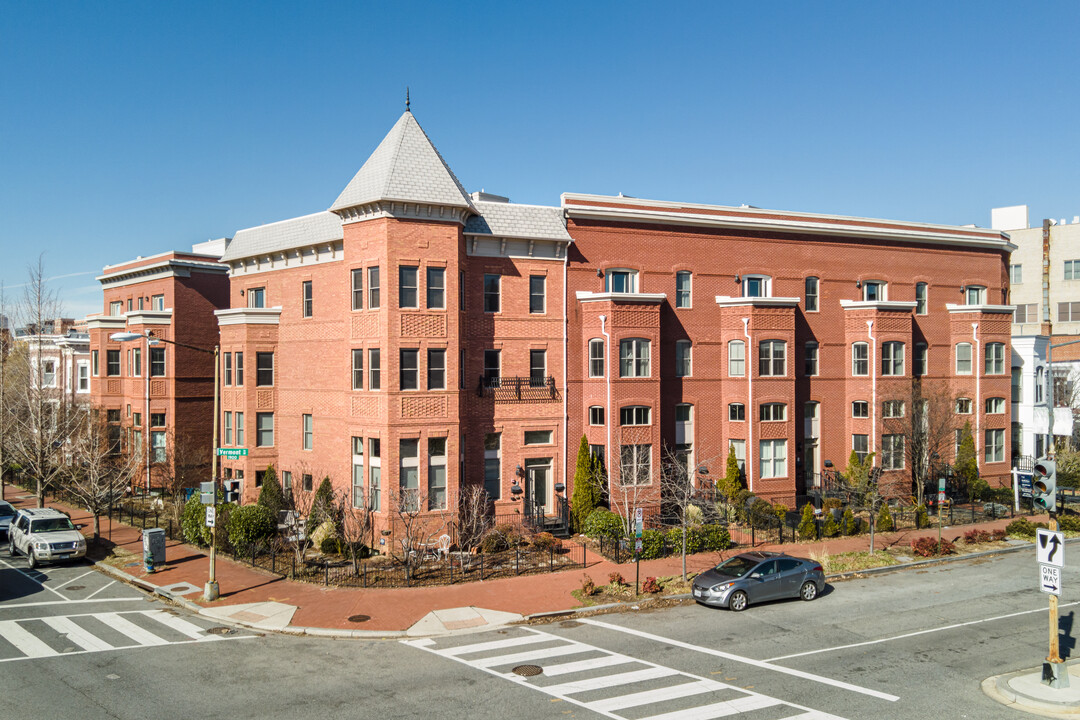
305 255
403 211
149 317
758 219
157 271
997 309
728 301
105 322
585 296
248 316
878 305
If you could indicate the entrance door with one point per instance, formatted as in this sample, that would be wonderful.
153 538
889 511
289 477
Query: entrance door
538 484
810 463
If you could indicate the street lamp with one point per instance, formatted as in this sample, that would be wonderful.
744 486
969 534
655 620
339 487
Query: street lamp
211 591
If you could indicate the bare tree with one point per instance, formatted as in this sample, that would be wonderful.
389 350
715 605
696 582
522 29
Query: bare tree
473 520
186 464
296 538
414 526
43 417
635 484
924 416
100 470
356 525
680 494
6 419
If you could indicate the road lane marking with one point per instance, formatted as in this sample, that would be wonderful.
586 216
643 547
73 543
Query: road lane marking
5 606
916 633
521 657
31 577
111 582
748 661
73 580
124 626
76 634
181 625
708 692
24 641
137 647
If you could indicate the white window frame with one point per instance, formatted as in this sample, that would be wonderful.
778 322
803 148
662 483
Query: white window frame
860 405
963 362
812 288
307 431
891 409
635 358
635 463
994 358
437 466
684 358
994 445
638 415
892 359
810 358
922 298
963 406
1016 274
892 452
768 357
627 279
756 286
772 458
860 359
772 412
975 295
736 412
875 290
736 360
684 290
596 358
995 406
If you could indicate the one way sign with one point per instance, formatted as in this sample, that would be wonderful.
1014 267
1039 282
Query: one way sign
1050 548
1050 579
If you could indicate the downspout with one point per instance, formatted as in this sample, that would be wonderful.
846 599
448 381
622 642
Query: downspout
978 400
750 405
873 390
607 407
146 415
565 413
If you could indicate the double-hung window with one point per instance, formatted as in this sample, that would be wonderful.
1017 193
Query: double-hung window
636 464
596 415
358 472
436 370
683 280
634 357
772 358
810 358
112 363
157 362
811 294
975 294
307 302
537 294
621 281
239 369
436 288
995 446
308 431
373 287
995 358
772 412
492 367
436 473
920 298
256 297
892 358
892 452
357 369
860 409
358 289
860 359
538 368
407 286
635 415
264 369
409 464
409 370
492 288
374 369
683 366
264 429
736 358
1072 269
736 412
493 465
596 358
773 454
963 358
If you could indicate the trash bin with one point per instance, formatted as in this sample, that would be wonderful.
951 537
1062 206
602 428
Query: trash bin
154 549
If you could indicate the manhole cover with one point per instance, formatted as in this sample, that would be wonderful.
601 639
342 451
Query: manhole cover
528 670
359 618
75 587
569 624
220 631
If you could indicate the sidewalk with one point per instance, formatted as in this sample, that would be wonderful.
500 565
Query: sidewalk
267 601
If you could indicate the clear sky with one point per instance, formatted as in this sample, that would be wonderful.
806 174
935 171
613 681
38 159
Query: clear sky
134 128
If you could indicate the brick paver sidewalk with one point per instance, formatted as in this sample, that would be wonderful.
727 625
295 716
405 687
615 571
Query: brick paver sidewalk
399 608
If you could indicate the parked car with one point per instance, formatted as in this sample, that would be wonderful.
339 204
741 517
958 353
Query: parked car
7 514
758 576
45 535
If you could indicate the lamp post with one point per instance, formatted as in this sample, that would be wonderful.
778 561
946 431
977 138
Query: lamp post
211 591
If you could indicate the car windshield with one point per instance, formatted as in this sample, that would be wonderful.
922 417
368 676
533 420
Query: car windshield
737 566
6 510
51 525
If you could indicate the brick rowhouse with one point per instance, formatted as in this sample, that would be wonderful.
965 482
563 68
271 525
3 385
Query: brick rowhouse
415 335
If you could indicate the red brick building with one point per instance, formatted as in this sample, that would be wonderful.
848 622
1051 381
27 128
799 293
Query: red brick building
159 394
417 336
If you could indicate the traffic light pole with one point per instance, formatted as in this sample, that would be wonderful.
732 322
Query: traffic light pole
211 591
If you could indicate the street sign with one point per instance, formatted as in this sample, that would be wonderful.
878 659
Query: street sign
1024 481
638 524
232 453
1050 547
941 497
1050 579
637 545
211 516
941 484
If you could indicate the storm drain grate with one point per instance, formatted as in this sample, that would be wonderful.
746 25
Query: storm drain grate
359 618
569 624
220 631
528 670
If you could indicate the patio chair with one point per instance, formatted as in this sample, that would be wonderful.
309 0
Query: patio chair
443 549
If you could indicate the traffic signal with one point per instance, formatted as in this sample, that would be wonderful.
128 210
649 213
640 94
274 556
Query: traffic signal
1044 485
208 493
232 491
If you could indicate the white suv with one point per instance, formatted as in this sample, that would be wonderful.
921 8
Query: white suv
45 535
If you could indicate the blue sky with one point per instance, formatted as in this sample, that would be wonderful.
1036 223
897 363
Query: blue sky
135 128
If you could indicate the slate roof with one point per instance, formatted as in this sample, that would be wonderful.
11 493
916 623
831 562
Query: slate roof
508 220
405 167
307 230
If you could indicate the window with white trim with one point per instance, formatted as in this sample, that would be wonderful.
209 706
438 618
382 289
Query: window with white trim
892 409
963 358
772 358
596 358
621 280
875 291
773 458
683 280
811 294
920 298
736 412
810 358
1016 274
860 445
995 358
537 294
409 473
373 290
1072 269
436 473
635 467
892 452
772 412
635 415
1028 313
596 414
994 447
634 357
860 359
358 289
736 358
995 405
860 409
408 286
375 473
436 288
493 465
892 358
358 472
921 361
975 294
963 406
756 286
308 431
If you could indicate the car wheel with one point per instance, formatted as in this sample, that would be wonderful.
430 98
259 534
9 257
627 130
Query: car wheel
11 547
738 601
808 591
31 559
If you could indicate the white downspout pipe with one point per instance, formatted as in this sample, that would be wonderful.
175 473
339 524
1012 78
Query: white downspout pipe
565 410
750 404
146 415
873 391
978 398
607 408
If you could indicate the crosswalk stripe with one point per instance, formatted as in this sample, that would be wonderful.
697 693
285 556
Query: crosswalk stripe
76 634
125 627
496 645
653 696
182 626
23 641
721 709
607 681
530 655
580 665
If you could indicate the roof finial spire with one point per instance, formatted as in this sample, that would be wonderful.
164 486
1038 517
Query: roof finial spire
407 99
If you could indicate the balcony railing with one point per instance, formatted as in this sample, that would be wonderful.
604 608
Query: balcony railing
518 389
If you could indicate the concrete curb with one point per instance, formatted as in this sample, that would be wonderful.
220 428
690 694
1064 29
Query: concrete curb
999 688
147 587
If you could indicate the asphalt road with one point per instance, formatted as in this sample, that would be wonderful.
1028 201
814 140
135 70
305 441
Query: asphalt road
906 645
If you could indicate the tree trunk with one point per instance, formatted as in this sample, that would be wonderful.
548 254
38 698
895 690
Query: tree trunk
684 552
97 526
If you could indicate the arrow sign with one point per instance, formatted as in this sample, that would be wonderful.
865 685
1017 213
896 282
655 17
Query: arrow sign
1050 548
1050 579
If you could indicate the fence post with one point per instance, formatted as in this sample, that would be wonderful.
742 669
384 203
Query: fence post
753 535
584 564
481 567
450 562
517 560
273 561
254 549
326 570
551 558
292 574
363 575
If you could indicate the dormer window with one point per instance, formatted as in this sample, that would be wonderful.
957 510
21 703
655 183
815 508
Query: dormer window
621 281
875 291
975 294
756 286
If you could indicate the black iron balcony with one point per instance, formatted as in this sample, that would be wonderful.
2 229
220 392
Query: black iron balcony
518 389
